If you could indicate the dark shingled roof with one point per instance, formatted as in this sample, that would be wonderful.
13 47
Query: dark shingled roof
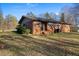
41 20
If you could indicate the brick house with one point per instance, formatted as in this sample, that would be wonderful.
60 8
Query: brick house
44 26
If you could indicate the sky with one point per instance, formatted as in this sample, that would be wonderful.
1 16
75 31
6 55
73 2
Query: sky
19 9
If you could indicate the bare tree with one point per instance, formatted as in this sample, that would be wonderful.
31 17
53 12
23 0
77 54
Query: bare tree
1 19
11 21
75 12
69 16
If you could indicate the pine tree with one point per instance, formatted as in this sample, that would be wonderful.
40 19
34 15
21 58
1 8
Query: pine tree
31 15
47 16
62 18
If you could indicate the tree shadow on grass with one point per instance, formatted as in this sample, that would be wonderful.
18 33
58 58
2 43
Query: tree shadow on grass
44 47
66 42
8 37
52 48
17 50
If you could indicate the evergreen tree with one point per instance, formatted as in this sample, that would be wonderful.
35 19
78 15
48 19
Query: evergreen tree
62 18
31 15
47 16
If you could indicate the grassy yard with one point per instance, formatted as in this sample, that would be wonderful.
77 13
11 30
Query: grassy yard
58 44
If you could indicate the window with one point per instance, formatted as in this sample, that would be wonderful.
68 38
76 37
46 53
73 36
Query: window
43 27
50 24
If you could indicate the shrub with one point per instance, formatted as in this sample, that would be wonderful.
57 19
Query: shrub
27 31
74 29
22 30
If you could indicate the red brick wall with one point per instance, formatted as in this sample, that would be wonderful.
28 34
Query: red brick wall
65 28
36 27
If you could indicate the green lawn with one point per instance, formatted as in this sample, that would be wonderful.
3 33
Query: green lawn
67 35
58 44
